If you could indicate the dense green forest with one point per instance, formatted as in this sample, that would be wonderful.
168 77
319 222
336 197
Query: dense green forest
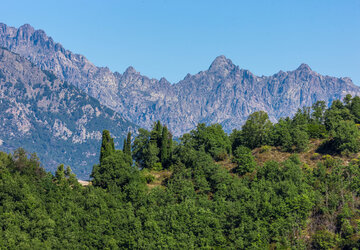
157 192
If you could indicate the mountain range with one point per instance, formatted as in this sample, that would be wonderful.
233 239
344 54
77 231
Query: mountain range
58 100
223 93
51 117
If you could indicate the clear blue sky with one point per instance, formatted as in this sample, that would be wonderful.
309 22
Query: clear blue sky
173 38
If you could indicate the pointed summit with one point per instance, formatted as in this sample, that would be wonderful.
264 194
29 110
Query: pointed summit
130 70
221 63
25 31
164 81
26 28
304 67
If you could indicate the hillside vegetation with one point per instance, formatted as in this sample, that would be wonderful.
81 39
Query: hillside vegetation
293 184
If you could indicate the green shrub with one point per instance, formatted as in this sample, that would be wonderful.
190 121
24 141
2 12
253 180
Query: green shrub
306 167
329 161
346 153
265 148
157 166
147 176
315 156
324 239
316 131
244 159
219 154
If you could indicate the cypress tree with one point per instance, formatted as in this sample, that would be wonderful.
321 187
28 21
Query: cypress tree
127 149
71 177
156 134
170 147
60 173
107 145
151 156
164 152
68 171
124 146
127 145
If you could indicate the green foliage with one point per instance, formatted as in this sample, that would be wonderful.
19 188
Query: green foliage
166 147
324 240
60 173
127 145
328 161
315 156
336 113
151 156
318 112
114 170
285 205
212 139
107 145
300 138
291 135
301 117
236 139
316 130
256 130
140 147
20 162
153 150
244 159
281 135
148 177
346 136
265 149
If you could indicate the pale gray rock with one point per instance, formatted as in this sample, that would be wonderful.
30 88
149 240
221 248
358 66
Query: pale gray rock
54 119
222 94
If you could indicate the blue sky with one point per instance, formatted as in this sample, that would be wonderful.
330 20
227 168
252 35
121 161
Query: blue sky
172 38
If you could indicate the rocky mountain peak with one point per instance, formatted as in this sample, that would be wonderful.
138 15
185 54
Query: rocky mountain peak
41 34
220 64
38 109
130 70
304 67
3 27
25 31
164 81
222 94
27 27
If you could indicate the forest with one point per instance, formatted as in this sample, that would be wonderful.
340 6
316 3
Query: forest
206 189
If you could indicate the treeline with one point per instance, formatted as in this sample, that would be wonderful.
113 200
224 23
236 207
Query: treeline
337 124
202 204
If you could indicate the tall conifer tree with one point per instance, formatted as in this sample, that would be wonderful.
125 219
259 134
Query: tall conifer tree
170 146
127 145
124 145
164 151
156 133
107 145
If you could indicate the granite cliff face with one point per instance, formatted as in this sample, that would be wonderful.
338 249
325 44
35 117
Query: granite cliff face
40 49
222 94
226 94
53 118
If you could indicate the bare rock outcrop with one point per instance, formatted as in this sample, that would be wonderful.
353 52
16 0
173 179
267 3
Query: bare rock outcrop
222 94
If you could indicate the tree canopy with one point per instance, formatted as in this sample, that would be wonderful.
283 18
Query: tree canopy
205 189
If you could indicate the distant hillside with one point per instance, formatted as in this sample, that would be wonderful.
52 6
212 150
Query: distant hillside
222 94
53 118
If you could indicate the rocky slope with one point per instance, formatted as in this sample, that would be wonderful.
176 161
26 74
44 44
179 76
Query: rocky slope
53 118
224 93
